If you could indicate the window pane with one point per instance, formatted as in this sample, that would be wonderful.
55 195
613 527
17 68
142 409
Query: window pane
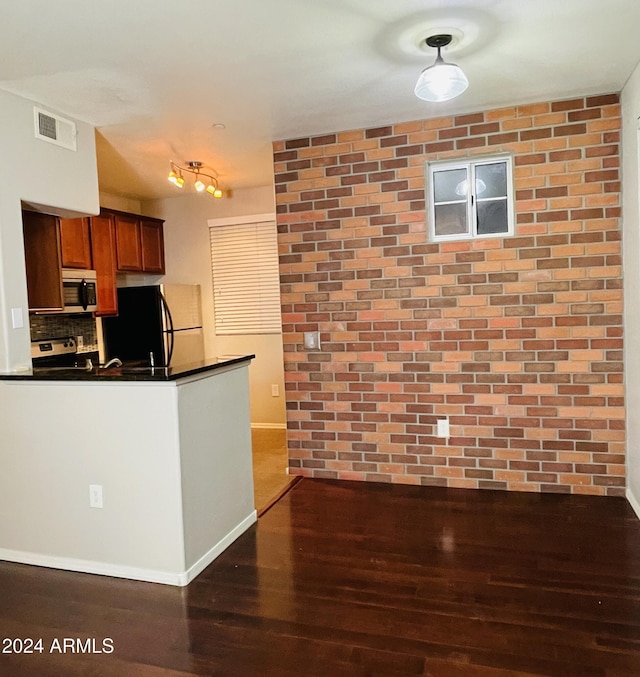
492 217
451 219
491 180
450 185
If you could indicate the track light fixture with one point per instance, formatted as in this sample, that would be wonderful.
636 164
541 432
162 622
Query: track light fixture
441 81
203 182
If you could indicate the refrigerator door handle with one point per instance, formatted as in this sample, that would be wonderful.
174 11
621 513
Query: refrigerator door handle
167 314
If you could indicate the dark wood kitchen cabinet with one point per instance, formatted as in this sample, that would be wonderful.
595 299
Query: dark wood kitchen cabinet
43 260
103 245
110 243
152 239
139 244
128 243
75 243
123 243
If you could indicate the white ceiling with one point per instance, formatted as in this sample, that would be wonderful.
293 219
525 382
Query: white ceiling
154 75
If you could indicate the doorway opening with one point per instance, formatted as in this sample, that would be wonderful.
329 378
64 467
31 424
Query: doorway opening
270 460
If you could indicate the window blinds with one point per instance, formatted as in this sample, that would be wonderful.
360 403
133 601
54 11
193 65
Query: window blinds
246 283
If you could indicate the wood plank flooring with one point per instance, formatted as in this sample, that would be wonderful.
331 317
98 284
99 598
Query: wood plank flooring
340 579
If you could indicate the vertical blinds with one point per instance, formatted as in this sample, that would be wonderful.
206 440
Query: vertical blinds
246 283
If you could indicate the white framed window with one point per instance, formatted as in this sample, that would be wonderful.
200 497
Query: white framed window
470 198
245 275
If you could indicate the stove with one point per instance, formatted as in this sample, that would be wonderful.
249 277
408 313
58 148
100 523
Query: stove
59 352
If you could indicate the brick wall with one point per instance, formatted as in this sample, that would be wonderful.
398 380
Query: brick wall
518 341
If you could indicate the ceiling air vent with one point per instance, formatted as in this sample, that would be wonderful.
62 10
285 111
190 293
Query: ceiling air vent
54 129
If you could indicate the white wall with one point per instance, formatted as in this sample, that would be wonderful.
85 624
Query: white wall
40 174
121 204
215 459
631 267
122 436
188 260
173 458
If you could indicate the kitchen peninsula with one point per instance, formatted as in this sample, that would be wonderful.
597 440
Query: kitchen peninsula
164 456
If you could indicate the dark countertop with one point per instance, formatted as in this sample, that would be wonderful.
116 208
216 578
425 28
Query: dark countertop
128 372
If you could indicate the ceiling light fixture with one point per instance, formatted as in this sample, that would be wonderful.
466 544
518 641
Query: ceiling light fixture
203 182
176 178
441 81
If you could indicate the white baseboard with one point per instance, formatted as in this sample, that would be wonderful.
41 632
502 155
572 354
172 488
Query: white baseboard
635 504
90 567
217 549
270 426
133 573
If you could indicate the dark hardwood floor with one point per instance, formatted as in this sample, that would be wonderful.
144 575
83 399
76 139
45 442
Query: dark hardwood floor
362 579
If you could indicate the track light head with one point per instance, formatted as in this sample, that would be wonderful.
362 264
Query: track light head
203 182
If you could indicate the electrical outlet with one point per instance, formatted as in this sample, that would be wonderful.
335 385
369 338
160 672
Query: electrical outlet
95 496
275 390
79 342
443 427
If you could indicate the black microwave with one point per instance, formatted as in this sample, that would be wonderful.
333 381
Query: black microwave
79 291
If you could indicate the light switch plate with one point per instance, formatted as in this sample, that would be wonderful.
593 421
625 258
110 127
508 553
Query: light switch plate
312 340
443 427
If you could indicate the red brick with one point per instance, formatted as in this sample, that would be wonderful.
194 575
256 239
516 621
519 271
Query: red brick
513 339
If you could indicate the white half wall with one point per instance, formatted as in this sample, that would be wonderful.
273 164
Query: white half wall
172 460
215 459
631 267
123 437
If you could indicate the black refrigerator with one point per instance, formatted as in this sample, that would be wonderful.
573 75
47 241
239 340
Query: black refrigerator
156 324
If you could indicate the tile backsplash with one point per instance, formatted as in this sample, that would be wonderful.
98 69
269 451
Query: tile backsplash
61 326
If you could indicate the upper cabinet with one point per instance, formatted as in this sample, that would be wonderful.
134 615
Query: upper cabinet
152 239
43 260
139 244
103 244
76 243
128 244
112 242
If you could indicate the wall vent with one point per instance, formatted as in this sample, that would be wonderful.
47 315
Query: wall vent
54 129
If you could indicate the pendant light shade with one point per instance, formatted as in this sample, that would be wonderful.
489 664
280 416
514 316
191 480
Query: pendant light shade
441 81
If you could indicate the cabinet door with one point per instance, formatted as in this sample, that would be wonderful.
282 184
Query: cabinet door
128 244
103 243
152 246
42 260
76 247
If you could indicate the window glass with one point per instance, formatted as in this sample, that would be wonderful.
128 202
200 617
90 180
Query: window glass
470 198
491 180
450 185
451 219
492 217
